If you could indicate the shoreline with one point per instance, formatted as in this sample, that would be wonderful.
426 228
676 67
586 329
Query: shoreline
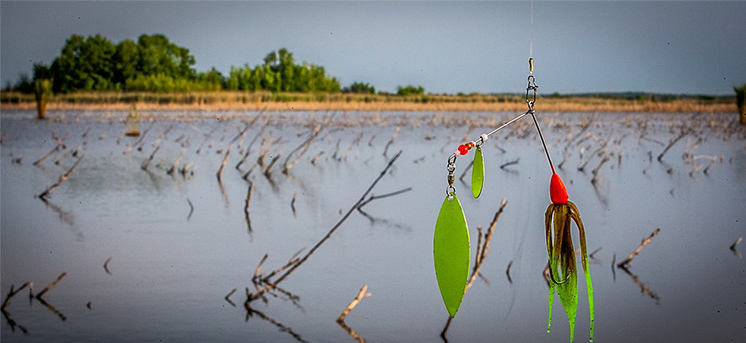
237 101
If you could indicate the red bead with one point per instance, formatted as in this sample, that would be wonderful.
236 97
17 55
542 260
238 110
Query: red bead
463 149
557 190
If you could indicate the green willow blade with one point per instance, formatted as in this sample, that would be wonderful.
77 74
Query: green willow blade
477 173
451 253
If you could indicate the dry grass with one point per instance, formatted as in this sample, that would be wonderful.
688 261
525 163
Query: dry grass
219 101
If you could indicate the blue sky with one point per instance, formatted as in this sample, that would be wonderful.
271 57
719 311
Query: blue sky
446 47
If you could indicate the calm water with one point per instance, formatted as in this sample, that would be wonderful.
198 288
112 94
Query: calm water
170 272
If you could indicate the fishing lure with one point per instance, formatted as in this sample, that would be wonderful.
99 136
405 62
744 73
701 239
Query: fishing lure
563 272
451 237
451 244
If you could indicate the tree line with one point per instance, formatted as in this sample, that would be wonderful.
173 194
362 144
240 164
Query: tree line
155 64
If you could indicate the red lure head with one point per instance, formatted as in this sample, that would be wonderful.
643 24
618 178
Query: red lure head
557 190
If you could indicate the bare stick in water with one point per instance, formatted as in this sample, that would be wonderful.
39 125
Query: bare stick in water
106 265
228 297
62 179
670 144
246 205
295 266
222 165
625 263
40 160
50 286
375 197
146 163
733 246
12 293
191 208
507 271
362 294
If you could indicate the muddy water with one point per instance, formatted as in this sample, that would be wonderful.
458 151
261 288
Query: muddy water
172 266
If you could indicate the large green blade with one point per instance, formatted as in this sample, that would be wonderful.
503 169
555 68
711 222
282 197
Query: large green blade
477 174
451 253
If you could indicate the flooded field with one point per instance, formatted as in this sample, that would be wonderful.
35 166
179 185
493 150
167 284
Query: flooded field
158 242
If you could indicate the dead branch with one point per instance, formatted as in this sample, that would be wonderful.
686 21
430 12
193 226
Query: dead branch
267 171
672 142
146 163
207 136
595 170
483 250
228 297
375 197
171 170
248 149
292 261
40 160
625 263
391 141
316 158
354 142
106 265
259 268
295 266
12 293
138 141
733 246
62 179
510 163
362 294
222 165
50 286
507 271
305 146
595 251
191 208
246 205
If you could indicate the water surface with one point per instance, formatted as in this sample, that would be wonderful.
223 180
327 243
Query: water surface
170 270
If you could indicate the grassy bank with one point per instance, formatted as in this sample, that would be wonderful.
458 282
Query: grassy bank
227 100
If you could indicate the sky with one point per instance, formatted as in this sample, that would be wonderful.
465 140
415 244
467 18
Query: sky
445 47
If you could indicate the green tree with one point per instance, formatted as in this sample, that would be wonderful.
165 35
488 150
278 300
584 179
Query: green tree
212 80
360 88
410 90
159 56
84 64
126 60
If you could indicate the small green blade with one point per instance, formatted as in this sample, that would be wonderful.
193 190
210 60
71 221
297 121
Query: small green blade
451 253
477 174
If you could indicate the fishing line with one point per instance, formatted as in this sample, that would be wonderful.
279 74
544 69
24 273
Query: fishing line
531 36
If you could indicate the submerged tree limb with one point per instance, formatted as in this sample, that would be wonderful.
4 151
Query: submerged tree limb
62 179
374 197
254 296
362 294
625 263
670 144
50 286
